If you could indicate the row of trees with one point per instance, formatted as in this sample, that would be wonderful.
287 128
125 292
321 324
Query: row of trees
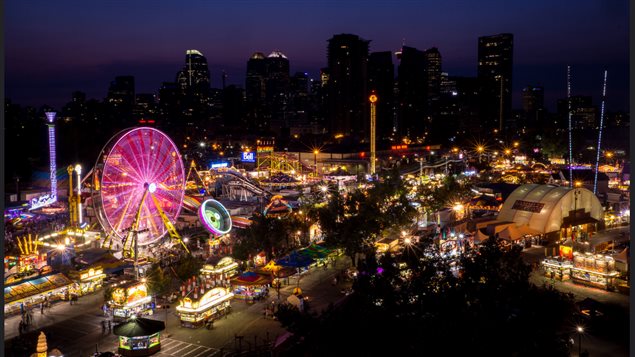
480 304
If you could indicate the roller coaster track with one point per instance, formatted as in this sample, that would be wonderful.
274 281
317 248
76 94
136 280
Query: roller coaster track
435 165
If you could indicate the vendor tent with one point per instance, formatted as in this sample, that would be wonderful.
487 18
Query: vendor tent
295 260
272 267
511 233
480 237
250 278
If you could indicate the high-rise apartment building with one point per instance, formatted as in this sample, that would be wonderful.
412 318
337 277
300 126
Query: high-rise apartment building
495 60
347 102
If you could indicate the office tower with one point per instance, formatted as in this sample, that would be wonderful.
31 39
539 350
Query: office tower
277 90
433 75
255 92
195 74
233 108
120 101
495 59
347 101
533 99
193 82
412 86
146 108
381 76
169 107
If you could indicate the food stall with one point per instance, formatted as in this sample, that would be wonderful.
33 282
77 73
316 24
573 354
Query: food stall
139 336
225 267
212 305
250 286
130 298
34 291
88 280
595 270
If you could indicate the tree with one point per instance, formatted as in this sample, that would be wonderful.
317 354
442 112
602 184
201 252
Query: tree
159 282
188 266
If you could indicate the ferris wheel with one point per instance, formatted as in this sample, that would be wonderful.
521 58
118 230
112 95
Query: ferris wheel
138 188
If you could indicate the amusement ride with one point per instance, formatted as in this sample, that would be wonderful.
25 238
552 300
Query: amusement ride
138 188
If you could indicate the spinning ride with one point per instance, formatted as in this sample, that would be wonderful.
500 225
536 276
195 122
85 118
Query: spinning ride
215 217
138 189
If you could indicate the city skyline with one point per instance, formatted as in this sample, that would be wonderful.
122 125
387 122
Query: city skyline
44 65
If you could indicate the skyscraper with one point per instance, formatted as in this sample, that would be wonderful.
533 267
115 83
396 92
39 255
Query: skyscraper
193 82
120 101
533 105
255 92
433 76
412 86
195 74
347 108
495 59
381 76
277 89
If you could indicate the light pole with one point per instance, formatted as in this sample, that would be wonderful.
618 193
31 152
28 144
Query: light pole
315 154
580 331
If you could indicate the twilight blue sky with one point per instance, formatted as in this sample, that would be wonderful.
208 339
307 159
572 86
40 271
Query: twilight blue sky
56 47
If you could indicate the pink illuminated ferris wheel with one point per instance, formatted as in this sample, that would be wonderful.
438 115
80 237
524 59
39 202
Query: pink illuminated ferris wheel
138 186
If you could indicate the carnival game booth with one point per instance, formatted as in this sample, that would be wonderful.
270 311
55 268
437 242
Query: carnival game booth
139 336
25 294
250 286
594 270
212 305
223 268
557 268
88 280
130 298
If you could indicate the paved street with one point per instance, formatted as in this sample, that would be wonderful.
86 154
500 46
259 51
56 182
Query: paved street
76 330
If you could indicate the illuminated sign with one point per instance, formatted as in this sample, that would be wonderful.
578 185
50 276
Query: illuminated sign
42 201
534 207
399 147
248 156
264 148
219 165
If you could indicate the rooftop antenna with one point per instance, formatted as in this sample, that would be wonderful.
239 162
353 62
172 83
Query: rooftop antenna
570 134
597 158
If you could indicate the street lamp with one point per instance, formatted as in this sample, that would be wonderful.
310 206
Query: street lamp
580 330
480 149
315 153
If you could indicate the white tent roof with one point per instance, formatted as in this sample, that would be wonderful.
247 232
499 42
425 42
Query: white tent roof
543 207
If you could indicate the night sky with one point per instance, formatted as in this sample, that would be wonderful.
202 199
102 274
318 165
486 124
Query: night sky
56 47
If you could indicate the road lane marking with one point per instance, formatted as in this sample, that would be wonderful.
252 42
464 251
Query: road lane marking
205 349
174 346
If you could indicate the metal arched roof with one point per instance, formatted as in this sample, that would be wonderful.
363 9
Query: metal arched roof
543 207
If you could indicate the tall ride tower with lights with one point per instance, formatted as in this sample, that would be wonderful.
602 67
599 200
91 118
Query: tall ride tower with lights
50 116
373 135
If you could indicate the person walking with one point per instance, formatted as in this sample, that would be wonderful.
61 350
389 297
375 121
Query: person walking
103 326
109 326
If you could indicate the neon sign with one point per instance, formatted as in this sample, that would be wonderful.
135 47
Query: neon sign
248 157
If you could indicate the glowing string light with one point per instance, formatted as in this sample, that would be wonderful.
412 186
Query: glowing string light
597 158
